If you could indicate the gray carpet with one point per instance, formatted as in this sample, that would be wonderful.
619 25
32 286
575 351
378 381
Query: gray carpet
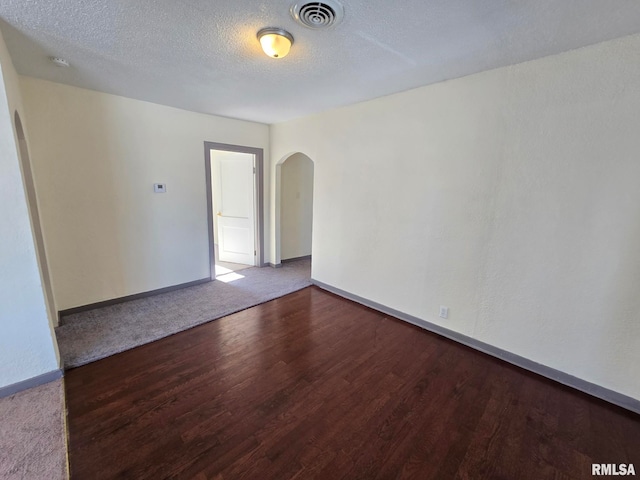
32 438
89 336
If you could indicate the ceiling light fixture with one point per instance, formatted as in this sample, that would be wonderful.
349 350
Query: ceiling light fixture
275 42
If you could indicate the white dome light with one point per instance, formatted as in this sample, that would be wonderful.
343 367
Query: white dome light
275 42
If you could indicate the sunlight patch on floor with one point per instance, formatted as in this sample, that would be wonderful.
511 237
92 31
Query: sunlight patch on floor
220 270
229 277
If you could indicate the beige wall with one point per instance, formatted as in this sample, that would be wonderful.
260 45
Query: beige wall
296 208
27 345
96 157
510 196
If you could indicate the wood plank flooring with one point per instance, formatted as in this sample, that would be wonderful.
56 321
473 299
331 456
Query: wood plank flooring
312 386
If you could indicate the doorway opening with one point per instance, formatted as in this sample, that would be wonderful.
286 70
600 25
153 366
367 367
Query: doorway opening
234 178
294 207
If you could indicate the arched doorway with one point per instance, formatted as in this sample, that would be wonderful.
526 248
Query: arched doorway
294 207
34 213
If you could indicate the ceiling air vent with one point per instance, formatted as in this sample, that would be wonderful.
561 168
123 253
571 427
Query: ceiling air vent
318 15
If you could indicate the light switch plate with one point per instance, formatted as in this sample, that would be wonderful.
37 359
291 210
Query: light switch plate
160 187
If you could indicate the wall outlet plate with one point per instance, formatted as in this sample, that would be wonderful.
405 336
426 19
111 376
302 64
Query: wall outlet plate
444 311
160 187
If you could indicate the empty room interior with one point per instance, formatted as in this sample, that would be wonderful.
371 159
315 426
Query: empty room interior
319 240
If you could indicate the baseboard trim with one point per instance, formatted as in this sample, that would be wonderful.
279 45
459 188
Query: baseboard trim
611 396
135 296
275 265
30 383
304 257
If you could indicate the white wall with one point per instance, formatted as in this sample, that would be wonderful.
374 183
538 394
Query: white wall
96 157
510 196
296 207
27 345
36 224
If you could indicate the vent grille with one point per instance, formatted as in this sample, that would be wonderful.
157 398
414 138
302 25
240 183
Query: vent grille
318 15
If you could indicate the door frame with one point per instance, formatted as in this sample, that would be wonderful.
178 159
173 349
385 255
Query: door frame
258 194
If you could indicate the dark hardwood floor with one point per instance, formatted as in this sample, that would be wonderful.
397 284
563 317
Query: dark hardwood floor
315 386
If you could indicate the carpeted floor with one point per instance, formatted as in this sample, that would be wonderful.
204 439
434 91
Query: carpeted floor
32 442
95 334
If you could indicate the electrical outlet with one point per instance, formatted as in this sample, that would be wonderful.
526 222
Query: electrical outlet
444 311
159 187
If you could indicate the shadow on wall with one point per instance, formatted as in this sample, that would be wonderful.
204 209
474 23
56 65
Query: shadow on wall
294 206
34 213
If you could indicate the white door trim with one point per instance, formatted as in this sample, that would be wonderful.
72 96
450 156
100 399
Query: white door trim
258 196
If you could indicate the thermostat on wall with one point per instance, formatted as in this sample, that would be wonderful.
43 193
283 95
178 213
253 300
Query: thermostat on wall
160 187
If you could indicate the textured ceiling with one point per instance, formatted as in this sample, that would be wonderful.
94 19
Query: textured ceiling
202 55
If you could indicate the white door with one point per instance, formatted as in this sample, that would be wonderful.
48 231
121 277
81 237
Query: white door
233 190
